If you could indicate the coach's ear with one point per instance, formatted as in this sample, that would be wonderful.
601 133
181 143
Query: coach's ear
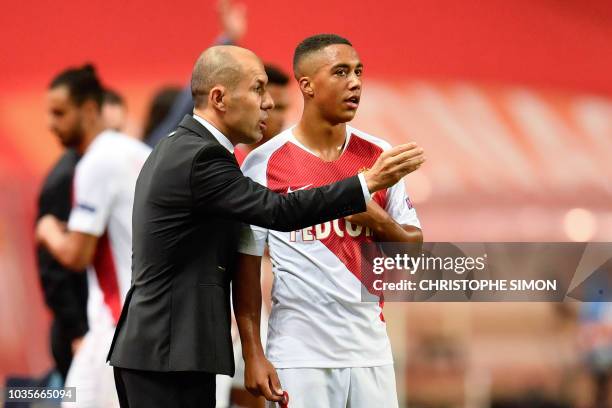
306 86
216 98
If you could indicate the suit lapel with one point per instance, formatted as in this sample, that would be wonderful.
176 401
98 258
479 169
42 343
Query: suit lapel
196 127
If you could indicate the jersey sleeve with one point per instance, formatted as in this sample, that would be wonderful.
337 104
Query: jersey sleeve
94 192
253 238
399 206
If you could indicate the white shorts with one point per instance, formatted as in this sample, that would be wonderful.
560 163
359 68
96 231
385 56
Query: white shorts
357 387
90 374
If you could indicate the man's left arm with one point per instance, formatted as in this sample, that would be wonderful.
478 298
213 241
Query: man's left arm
74 245
74 250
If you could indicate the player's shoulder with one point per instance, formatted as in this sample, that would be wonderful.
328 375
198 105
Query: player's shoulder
109 149
111 143
260 155
369 138
114 140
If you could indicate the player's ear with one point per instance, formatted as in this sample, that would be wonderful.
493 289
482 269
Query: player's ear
216 98
90 107
306 86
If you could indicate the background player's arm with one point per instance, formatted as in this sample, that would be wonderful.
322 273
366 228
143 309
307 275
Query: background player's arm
74 250
259 375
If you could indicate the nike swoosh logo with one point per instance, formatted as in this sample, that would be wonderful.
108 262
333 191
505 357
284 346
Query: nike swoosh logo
289 190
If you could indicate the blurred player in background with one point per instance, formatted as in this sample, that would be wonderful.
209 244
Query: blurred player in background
233 19
98 235
596 341
278 88
65 291
159 107
114 111
329 348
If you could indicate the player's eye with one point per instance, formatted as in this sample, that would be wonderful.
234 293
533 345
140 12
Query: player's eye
358 71
341 72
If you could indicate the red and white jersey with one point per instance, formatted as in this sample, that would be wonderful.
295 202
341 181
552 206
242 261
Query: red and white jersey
103 197
317 317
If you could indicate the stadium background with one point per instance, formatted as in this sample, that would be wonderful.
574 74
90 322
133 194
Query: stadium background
512 102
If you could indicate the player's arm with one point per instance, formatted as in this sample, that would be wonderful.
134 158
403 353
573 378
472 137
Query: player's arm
384 227
233 18
260 377
74 250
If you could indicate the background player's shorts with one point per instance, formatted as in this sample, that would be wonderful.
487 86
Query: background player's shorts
357 387
90 374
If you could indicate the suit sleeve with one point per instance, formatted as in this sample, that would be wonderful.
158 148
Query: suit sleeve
220 189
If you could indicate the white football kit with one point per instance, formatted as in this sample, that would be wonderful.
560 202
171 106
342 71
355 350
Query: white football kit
103 197
319 327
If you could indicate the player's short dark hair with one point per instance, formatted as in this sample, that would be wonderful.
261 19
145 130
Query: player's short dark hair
112 97
315 43
83 84
275 75
160 107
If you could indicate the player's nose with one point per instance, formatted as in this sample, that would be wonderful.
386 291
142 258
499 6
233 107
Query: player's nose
354 82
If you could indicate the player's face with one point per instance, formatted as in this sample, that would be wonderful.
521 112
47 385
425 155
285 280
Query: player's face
114 116
337 83
65 117
248 104
276 116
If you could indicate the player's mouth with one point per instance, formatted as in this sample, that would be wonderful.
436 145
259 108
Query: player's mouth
352 102
262 125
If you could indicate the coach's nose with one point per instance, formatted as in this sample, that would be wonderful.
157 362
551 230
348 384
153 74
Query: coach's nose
267 102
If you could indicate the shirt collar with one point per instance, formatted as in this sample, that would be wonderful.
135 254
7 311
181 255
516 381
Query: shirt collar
224 141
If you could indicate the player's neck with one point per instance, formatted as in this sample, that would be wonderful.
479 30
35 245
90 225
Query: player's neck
323 138
89 135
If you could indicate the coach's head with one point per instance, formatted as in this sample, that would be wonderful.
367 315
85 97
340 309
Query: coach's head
228 85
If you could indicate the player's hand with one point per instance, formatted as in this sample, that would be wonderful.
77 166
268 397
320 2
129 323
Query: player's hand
392 165
47 225
233 19
76 345
260 378
373 217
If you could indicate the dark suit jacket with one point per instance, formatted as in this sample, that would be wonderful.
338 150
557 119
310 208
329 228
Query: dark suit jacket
65 290
191 200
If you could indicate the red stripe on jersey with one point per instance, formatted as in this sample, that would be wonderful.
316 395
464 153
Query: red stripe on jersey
293 167
106 272
240 155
